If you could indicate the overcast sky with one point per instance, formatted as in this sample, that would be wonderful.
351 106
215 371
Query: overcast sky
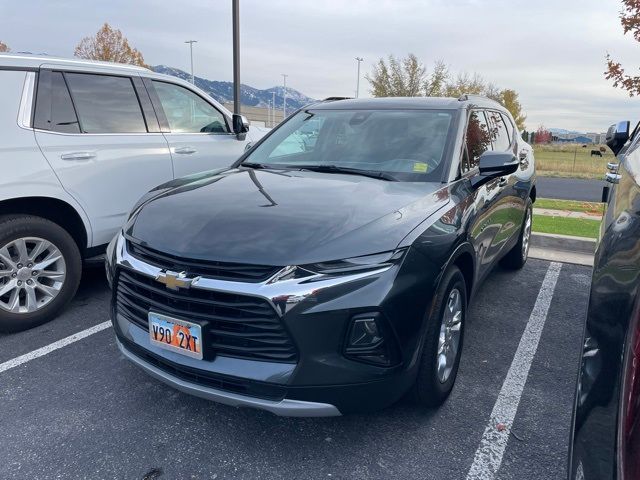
552 52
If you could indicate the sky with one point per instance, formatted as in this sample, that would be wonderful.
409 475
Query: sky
552 52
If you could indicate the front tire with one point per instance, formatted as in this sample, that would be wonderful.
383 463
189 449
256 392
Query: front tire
40 270
517 256
443 341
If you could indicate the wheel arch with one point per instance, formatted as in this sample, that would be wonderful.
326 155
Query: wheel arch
53 209
463 257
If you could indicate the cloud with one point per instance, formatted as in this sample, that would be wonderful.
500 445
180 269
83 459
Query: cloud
551 52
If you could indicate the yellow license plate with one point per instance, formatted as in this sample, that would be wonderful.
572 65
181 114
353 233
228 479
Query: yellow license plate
175 334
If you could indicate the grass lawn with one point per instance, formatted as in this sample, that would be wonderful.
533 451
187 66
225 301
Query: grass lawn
571 161
571 205
577 227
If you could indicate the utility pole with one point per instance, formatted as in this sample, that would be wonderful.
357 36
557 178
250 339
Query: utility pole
236 55
284 105
191 42
273 108
358 59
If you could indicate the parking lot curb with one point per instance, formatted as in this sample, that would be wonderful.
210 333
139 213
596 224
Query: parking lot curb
562 248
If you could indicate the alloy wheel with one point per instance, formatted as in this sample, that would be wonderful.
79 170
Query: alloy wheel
449 340
32 273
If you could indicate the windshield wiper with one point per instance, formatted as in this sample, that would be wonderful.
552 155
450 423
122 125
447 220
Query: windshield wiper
252 165
347 170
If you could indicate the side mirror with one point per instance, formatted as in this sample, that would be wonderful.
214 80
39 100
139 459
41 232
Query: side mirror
240 126
617 136
494 165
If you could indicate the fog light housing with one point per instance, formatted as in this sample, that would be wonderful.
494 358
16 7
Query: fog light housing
369 340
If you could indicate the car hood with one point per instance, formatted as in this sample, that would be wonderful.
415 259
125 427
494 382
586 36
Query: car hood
277 217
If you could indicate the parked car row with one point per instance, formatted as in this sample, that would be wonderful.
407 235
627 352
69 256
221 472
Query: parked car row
80 143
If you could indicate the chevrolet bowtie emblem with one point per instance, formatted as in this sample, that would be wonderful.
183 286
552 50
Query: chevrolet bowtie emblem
174 280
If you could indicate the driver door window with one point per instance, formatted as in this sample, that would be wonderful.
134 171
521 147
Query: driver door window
186 112
199 139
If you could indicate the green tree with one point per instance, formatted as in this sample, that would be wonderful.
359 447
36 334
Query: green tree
509 98
397 77
532 138
4 47
109 45
434 85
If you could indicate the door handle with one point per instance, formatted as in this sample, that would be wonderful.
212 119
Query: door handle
503 182
185 150
78 156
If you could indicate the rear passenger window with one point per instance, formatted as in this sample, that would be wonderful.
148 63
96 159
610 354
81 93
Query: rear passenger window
106 104
499 133
478 140
54 109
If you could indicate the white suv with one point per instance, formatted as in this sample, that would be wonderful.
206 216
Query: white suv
80 143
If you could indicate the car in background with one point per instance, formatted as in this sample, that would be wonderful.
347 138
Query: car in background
605 439
80 143
332 275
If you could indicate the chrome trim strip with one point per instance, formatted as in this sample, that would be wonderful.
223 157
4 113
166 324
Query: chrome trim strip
281 292
26 102
285 407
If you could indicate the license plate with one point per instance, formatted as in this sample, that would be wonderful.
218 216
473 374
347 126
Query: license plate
175 334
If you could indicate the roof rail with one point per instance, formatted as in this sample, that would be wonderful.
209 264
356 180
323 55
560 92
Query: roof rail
463 98
334 99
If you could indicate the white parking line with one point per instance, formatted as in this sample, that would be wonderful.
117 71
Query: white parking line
27 357
488 457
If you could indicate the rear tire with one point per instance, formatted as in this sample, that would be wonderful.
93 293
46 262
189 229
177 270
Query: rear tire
40 270
517 256
443 341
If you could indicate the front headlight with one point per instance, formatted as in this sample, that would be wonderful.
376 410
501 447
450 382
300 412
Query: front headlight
357 264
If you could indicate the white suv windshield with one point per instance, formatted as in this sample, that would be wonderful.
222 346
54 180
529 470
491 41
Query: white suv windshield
406 144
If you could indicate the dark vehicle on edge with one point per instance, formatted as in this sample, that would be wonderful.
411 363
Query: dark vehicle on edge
605 440
328 271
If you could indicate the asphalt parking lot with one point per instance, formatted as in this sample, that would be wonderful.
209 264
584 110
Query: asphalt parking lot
82 411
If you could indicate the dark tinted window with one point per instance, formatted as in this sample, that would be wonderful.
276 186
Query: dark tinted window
106 104
54 109
478 139
499 133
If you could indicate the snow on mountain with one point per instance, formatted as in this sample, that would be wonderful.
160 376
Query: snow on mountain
223 91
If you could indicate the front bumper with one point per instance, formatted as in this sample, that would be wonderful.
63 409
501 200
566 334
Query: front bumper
322 381
284 407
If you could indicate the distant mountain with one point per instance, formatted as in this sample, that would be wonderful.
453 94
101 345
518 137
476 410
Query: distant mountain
254 97
562 131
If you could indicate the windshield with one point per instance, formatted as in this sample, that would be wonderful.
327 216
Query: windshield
408 145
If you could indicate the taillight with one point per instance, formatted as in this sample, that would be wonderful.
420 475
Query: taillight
629 434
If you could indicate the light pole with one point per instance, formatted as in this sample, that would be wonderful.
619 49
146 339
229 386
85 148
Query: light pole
284 105
235 19
358 59
191 42
273 108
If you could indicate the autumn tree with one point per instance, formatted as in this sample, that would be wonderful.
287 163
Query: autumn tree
543 135
4 47
630 20
509 98
109 45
